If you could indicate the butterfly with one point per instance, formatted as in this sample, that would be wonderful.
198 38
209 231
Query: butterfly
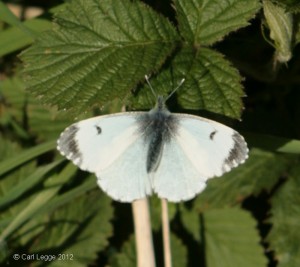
134 154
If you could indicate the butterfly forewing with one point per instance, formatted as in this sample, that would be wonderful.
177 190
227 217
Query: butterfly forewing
213 148
95 143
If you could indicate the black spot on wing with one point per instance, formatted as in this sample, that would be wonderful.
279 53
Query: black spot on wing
68 146
98 128
238 153
212 135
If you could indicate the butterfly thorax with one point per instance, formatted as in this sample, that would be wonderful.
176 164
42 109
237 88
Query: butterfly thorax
157 127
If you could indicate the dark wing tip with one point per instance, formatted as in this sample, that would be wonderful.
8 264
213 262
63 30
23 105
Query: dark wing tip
67 144
237 154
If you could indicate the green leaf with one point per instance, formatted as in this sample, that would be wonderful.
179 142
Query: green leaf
204 22
179 252
297 31
19 188
211 83
289 5
71 229
14 39
273 143
26 155
13 177
22 110
191 222
52 186
280 24
97 51
231 239
127 256
284 237
7 16
68 196
260 172
155 212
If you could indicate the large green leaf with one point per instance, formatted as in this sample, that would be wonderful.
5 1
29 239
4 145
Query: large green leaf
260 172
231 239
211 83
228 237
97 51
203 22
284 237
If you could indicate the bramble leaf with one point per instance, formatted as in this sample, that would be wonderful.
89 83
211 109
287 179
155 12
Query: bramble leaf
211 83
97 51
231 239
204 22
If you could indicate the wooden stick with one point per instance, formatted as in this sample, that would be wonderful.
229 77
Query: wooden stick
143 233
166 233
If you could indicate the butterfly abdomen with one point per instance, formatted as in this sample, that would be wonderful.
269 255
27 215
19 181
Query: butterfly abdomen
157 128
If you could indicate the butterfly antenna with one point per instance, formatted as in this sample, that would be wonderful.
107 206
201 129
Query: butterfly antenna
147 80
180 83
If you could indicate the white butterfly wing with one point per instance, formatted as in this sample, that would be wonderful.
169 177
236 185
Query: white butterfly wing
176 178
127 179
112 148
199 150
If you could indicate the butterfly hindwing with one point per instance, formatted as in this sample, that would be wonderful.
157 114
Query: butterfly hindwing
176 179
127 178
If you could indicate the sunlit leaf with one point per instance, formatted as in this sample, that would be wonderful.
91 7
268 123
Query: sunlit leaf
211 83
97 51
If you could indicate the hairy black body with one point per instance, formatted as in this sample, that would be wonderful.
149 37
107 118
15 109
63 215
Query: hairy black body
157 127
